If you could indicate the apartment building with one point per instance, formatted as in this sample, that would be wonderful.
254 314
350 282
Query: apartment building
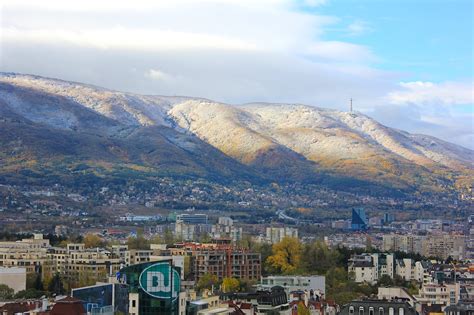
14 277
442 294
225 229
30 253
316 284
276 234
371 267
402 243
221 259
89 263
406 269
444 246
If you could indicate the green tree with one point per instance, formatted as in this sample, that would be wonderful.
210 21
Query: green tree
56 285
205 238
318 258
29 294
286 256
230 285
385 281
169 237
6 292
207 281
33 281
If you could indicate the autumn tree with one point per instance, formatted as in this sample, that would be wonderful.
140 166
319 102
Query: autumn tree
286 256
138 242
230 285
93 240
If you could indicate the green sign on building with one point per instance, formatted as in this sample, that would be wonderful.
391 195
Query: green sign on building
160 281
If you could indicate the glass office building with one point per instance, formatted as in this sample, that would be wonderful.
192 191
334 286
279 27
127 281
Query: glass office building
101 297
157 285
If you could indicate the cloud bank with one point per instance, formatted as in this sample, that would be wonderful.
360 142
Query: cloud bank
234 51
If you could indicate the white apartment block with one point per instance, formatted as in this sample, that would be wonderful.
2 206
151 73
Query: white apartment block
276 234
371 267
444 294
295 283
406 269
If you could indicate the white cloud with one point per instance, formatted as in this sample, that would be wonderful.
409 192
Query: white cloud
445 93
157 74
123 38
358 27
229 50
136 5
341 51
314 3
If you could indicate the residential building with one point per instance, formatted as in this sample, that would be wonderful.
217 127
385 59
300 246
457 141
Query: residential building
190 232
371 267
188 218
444 246
272 301
462 308
406 269
441 294
398 293
225 229
317 284
276 234
378 307
422 271
14 277
220 258
402 243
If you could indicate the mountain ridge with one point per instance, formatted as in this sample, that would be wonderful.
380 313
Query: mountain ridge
264 141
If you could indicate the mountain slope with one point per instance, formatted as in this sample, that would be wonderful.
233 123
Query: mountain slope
45 120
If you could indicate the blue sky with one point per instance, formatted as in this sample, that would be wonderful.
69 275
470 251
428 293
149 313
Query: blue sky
406 63
426 40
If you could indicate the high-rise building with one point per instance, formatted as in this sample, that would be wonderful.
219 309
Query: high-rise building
276 234
403 243
359 219
188 218
444 246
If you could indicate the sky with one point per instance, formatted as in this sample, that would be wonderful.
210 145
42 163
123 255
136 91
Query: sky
408 64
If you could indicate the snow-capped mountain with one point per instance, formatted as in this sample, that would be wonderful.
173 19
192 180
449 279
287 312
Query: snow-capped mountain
45 119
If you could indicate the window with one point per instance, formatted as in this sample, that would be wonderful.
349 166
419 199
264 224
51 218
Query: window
381 311
371 311
401 311
351 310
134 303
391 311
361 310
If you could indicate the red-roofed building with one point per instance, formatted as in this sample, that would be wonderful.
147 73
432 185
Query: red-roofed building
68 306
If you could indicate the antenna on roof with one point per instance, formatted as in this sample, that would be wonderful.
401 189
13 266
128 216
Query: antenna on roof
350 107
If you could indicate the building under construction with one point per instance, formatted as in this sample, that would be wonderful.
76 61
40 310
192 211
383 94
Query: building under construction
223 260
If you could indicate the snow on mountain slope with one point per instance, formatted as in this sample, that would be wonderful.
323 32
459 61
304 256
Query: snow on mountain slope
289 137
